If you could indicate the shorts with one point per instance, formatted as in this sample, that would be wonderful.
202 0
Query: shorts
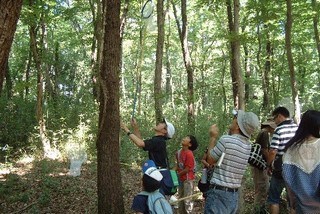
275 190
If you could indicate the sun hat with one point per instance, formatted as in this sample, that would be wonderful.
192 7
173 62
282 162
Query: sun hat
269 122
149 168
170 128
248 122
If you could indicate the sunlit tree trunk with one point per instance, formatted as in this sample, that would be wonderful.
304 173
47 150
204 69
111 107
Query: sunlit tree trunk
293 81
39 64
110 195
158 96
9 15
233 11
41 121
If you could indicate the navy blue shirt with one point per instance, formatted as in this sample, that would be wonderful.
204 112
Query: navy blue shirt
156 147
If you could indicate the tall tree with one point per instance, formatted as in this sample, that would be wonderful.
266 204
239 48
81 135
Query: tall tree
9 15
294 89
38 47
158 97
183 35
110 195
233 11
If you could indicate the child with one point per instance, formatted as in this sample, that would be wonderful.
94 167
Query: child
185 167
148 201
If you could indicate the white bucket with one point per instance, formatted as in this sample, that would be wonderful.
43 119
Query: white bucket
75 167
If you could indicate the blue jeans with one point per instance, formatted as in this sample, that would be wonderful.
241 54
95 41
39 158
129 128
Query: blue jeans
275 190
220 201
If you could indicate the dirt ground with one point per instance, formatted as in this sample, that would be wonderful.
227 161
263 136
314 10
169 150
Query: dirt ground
47 187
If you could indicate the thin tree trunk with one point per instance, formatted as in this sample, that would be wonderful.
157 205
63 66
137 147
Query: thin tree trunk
158 97
183 35
9 15
110 195
293 82
41 121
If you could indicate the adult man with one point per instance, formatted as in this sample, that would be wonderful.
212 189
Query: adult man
285 130
231 155
260 177
156 146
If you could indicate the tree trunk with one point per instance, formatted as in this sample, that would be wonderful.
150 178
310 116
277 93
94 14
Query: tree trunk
188 65
41 121
110 195
158 97
9 15
183 35
293 82
315 6
237 79
96 46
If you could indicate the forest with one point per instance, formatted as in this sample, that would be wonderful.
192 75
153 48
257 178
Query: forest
71 71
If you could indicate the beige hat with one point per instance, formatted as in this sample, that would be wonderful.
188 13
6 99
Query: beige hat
269 122
248 122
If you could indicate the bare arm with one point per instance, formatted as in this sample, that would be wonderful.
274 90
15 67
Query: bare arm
213 132
133 137
184 171
135 128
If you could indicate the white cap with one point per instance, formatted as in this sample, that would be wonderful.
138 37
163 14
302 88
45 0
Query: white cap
149 168
170 128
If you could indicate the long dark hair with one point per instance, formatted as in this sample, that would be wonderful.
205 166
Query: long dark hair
309 126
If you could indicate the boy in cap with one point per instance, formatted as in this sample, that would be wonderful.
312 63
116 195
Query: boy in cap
156 146
234 151
185 168
151 182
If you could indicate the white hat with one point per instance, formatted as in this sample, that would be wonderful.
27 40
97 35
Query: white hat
248 122
170 128
149 168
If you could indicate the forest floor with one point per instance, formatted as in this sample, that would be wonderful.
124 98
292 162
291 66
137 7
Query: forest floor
46 187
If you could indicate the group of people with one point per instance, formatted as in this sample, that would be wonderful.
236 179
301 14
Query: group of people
291 153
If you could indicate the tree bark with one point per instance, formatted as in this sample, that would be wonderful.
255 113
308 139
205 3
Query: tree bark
236 75
110 195
158 97
294 89
9 15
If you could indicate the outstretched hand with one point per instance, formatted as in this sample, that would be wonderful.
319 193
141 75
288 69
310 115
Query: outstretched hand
134 123
124 127
214 131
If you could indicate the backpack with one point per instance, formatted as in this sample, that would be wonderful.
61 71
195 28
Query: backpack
256 158
170 182
157 204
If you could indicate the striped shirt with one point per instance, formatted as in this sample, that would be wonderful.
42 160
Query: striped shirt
237 150
282 134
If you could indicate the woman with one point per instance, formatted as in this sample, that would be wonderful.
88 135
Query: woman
301 165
